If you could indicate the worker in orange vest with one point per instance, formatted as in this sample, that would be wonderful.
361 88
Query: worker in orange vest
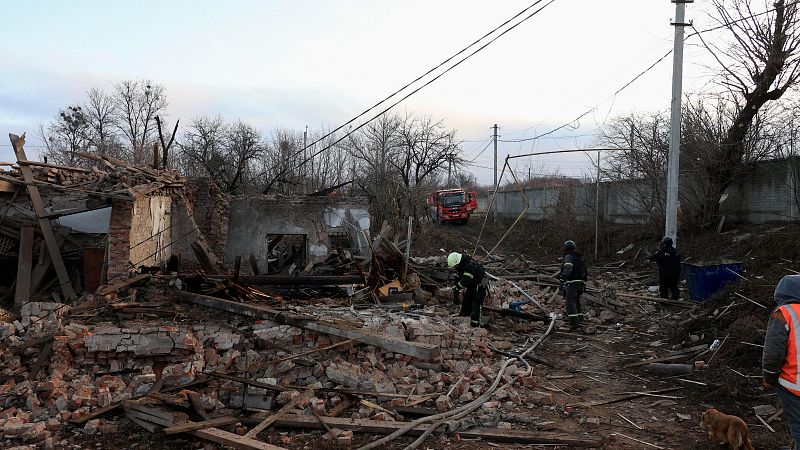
781 358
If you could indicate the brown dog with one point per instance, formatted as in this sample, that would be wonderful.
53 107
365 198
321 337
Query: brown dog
725 429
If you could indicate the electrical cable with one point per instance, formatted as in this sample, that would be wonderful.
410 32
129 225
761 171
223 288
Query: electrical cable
641 74
349 132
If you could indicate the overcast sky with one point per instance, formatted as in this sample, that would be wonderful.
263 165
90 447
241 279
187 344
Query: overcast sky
294 63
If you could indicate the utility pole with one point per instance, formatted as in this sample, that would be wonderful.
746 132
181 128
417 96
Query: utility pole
494 213
671 226
495 156
305 154
597 211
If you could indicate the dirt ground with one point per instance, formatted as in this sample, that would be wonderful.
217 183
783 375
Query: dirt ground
589 367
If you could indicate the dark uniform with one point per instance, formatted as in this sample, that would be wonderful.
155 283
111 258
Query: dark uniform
573 276
669 269
471 278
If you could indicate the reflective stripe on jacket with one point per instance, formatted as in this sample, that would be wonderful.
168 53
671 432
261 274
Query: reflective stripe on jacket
788 375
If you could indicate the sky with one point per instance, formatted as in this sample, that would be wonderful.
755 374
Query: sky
319 63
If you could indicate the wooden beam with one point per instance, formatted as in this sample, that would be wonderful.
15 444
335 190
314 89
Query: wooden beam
121 284
47 230
96 413
52 166
233 440
44 358
254 265
301 280
301 399
386 427
166 419
680 354
192 426
426 352
419 350
201 253
22 293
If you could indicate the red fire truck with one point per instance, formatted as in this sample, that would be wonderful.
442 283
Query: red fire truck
452 205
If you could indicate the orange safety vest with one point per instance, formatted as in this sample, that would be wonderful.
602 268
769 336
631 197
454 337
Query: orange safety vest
788 376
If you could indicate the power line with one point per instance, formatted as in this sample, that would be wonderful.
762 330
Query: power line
349 132
641 74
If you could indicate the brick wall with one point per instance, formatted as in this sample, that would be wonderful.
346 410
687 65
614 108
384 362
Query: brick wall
119 231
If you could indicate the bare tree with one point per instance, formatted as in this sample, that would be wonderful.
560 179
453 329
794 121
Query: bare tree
65 136
102 132
759 63
202 148
136 104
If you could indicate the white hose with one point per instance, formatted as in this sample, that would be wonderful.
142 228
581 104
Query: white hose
462 411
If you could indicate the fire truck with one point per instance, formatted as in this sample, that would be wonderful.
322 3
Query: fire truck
452 205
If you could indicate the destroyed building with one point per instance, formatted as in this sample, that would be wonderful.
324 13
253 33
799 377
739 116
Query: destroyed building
140 302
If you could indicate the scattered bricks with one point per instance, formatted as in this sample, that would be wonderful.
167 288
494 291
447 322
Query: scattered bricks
92 426
317 405
502 345
345 374
37 432
595 421
490 406
540 398
345 438
500 394
108 427
382 416
466 397
14 426
528 382
443 404
53 424
286 396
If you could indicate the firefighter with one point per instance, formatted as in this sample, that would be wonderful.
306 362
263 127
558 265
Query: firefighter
669 269
471 278
781 360
573 276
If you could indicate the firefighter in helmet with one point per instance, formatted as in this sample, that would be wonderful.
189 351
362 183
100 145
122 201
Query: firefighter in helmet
573 276
472 279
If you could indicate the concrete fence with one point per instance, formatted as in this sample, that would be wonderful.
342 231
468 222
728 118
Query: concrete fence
768 193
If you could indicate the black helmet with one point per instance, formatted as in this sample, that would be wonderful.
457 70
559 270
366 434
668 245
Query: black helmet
666 241
569 245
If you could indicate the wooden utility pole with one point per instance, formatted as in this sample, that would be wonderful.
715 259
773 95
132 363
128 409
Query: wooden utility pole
17 143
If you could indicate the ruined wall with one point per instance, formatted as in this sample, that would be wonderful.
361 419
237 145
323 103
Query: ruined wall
119 247
252 219
209 209
151 231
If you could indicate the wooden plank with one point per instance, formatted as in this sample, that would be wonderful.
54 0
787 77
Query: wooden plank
419 350
96 413
121 284
44 358
47 230
52 166
301 399
22 293
203 258
386 427
197 404
680 354
5 186
254 265
625 397
192 426
425 352
233 440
